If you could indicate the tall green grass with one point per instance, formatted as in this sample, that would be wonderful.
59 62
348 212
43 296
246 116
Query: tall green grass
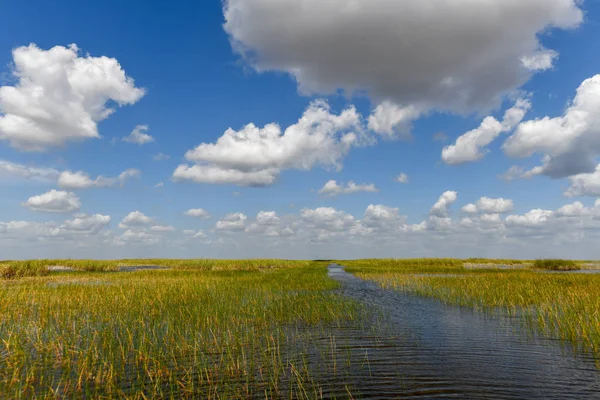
221 330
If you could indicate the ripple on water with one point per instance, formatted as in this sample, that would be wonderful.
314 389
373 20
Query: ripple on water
433 350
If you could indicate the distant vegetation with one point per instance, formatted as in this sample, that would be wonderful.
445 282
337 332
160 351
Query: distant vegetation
19 269
556 265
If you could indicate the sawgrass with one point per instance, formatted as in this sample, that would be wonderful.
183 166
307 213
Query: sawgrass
220 329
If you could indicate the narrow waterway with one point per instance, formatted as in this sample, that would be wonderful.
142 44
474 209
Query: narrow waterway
441 351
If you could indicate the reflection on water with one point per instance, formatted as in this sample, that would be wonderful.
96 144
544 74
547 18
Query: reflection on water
433 350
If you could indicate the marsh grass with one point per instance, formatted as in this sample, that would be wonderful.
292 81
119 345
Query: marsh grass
556 265
564 306
18 269
230 329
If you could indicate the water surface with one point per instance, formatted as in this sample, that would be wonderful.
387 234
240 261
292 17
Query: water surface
439 351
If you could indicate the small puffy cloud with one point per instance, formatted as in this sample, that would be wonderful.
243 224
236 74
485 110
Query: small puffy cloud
267 218
159 185
54 201
586 184
469 209
13 170
135 219
393 122
402 178
569 143
450 55
81 180
268 223
540 60
161 157
380 216
256 156
140 237
198 213
87 223
139 136
328 219
211 174
487 205
442 207
232 222
533 218
162 228
572 210
472 145
60 96
332 188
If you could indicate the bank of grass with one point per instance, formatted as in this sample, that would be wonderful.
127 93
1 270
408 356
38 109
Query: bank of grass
219 329
40 267
556 265
565 306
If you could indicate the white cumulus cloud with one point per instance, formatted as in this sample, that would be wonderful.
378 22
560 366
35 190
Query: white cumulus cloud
198 213
232 222
570 143
494 206
402 178
472 145
135 219
13 170
60 96
81 180
54 201
586 184
256 156
139 136
332 188
441 208
391 121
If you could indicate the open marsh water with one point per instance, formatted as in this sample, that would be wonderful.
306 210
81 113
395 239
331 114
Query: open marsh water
431 350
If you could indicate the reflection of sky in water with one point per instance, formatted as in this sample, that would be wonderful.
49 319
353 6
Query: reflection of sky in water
468 354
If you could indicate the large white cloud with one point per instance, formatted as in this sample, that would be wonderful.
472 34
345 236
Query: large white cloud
472 145
332 188
81 180
60 96
456 55
255 156
569 144
54 201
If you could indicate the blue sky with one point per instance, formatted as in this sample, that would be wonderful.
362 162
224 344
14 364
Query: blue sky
383 88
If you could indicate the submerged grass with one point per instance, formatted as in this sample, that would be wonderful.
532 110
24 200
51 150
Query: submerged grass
565 306
220 329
